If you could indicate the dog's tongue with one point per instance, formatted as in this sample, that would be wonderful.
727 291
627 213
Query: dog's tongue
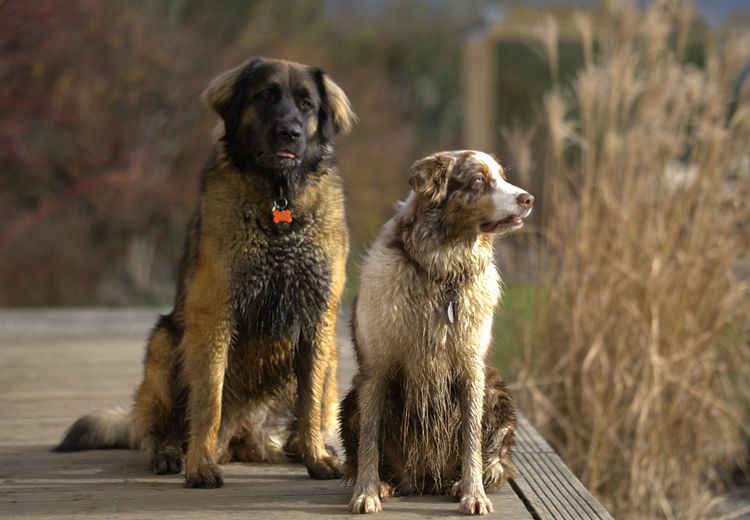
286 154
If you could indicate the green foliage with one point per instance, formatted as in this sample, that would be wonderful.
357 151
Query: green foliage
513 322
524 77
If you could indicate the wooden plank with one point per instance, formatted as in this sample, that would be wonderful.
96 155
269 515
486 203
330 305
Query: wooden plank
528 439
45 383
48 324
545 484
480 129
54 367
36 482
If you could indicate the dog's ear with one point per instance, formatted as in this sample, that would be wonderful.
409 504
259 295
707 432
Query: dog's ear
227 93
336 115
428 177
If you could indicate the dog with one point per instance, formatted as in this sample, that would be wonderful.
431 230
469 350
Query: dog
249 348
426 413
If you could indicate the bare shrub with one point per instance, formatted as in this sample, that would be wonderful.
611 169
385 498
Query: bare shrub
638 361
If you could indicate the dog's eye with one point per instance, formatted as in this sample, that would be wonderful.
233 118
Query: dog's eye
265 94
479 181
305 104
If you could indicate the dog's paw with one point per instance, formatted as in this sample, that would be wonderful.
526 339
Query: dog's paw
476 504
331 450
454 490
293 448
327 468
386 490
366 502
207 477
167 462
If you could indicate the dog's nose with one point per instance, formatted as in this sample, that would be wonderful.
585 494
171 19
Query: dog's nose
290 132
525 199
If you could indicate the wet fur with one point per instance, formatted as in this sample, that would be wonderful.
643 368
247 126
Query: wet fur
244 367
442 403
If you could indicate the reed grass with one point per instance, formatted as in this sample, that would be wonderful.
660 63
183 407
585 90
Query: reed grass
638 365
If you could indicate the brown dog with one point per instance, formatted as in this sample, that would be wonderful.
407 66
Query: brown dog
262 273
426 414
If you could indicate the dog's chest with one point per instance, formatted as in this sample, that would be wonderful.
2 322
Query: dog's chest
282 283
452 321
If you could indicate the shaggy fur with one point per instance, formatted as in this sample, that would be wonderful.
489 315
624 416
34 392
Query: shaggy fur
426 414
249 350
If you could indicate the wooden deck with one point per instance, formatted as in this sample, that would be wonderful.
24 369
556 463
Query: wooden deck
57 365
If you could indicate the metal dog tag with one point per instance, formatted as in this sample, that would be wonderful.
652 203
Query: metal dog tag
451 294
281 212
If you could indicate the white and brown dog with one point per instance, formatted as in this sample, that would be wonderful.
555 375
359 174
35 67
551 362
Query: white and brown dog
426 414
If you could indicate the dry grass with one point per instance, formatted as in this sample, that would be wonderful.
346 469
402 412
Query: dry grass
640 357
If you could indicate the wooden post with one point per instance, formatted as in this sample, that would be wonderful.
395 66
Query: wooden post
478 92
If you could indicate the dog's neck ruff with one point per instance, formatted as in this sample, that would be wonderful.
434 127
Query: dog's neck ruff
449 285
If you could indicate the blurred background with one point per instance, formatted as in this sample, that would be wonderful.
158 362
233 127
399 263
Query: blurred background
625 327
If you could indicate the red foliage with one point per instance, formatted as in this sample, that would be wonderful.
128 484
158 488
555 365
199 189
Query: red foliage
89 128
102 134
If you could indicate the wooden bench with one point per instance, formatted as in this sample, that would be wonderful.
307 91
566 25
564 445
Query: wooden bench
56 365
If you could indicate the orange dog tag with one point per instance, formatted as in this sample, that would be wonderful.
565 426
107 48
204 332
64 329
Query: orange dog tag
280 216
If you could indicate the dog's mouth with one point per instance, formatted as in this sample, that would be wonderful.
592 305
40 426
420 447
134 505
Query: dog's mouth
286 154
507 224
283 158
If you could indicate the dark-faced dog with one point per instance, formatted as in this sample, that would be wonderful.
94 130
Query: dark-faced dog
249 350
427 413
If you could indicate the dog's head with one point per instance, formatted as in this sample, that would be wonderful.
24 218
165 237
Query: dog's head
278 115
469 191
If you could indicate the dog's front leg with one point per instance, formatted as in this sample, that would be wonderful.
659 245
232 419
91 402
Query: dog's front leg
205 347
311 368
371 394
474 501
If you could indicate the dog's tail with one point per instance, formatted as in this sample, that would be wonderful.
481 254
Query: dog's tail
108 429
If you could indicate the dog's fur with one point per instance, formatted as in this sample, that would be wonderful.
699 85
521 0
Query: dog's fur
426 414
249 348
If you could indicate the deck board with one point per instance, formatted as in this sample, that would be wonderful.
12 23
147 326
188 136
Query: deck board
57 365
